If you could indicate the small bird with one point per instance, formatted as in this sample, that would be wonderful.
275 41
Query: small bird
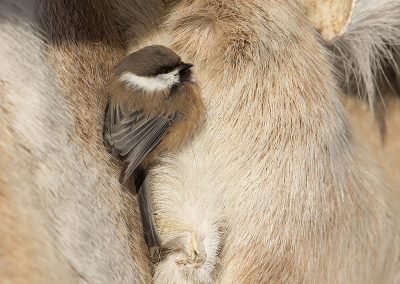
155 107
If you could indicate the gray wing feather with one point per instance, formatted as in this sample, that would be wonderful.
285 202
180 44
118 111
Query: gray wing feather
128 139
140 150
132 136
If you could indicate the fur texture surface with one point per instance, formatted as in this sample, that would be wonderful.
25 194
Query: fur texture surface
64 216
28 250
368 52
283 184
275 187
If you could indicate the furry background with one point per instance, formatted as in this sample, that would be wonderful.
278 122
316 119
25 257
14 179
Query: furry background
63 215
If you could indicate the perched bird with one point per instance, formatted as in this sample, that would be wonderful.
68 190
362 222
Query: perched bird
155 107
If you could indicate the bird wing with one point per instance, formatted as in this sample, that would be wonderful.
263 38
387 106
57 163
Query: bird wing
132 136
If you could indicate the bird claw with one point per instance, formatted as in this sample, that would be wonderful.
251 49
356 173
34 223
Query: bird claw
195 256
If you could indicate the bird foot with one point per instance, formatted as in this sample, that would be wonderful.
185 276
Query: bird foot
195 254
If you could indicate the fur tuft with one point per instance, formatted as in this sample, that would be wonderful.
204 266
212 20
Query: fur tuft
369 47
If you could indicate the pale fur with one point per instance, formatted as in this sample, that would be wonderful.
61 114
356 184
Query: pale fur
28 250
274 188
63 216
253 186
160 82
370 47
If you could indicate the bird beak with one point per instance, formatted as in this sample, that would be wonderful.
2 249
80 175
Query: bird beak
184 67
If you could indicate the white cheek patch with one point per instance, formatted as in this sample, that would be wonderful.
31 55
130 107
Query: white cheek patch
160 82
170 78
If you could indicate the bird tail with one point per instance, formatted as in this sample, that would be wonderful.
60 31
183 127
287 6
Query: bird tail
146 211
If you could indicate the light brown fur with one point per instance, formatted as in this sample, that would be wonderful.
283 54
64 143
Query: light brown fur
24 237
276 164
263 208
84 45
64 216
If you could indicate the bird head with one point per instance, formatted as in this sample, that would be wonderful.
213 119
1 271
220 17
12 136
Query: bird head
153 69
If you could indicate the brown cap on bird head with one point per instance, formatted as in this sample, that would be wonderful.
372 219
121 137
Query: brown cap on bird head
149 61
154 68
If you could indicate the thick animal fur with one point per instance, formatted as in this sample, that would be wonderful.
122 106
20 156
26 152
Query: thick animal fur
275 188
369 48
281 185
29 252
64 216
